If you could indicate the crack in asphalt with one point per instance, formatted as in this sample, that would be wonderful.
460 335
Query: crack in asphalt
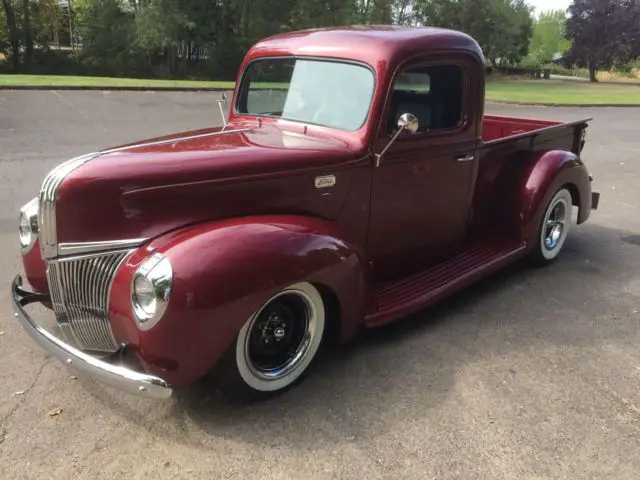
3 428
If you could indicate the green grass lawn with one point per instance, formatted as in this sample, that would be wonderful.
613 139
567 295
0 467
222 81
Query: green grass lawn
531 91
562 92
64 80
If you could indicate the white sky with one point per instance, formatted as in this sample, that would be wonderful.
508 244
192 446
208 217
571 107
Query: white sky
544 5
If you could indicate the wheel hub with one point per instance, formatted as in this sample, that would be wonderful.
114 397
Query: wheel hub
273 329
278 336
555 226
279 333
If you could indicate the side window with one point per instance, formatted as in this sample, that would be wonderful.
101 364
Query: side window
433 94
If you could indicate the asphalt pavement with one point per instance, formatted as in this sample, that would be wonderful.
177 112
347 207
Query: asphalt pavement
533 373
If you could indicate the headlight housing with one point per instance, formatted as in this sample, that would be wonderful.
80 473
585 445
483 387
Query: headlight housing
28 225
150 290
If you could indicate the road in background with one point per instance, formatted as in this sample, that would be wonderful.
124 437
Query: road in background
531 374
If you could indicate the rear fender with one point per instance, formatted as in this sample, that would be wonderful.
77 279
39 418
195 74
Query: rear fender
549 172
223 272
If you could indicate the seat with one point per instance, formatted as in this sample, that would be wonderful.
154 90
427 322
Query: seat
427 108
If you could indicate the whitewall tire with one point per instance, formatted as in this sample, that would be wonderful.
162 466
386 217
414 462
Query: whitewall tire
554 227
275 346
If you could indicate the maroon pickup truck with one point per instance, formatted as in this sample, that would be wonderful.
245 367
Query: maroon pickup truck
355 181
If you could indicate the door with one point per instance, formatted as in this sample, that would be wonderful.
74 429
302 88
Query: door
421 192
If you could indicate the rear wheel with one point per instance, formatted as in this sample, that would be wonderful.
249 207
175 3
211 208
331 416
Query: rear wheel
275 347
554 228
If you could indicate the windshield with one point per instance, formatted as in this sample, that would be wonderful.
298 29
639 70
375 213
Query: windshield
328 93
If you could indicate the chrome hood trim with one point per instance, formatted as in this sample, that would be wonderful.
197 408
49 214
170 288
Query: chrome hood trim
47 230
173 140
97 247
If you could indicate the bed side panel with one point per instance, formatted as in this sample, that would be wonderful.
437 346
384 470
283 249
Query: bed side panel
500 167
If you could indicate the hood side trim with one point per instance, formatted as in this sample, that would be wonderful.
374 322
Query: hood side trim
173 140
92 247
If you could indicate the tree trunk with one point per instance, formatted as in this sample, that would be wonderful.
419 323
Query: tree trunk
401 11
592 72
28 37
14 40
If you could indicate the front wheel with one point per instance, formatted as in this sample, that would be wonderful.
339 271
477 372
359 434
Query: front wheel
554 228
275 346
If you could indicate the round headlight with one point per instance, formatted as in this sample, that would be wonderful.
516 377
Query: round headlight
151 289
28 225
144 296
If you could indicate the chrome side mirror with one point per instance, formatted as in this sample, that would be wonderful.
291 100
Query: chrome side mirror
407 122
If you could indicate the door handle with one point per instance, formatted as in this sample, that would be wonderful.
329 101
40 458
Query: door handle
466 158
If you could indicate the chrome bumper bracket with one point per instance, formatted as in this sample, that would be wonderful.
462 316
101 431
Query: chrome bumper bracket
116 376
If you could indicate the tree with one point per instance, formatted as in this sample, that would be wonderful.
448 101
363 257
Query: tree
548 36
501 27
50 20
518 15
108 35
604 33
160 24
27 33
4 32
14 35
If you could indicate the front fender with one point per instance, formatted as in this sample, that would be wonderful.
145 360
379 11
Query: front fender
545 176
223 272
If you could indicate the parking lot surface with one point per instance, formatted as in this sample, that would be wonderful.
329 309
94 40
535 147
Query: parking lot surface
534 373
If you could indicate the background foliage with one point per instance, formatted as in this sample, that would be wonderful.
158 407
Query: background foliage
207 38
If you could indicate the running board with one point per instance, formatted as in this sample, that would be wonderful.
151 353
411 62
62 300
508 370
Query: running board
410 294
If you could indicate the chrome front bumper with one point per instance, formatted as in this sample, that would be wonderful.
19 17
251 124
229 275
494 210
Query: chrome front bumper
117 376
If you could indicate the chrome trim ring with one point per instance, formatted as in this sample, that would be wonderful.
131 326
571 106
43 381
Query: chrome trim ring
158 272
556 224
30 213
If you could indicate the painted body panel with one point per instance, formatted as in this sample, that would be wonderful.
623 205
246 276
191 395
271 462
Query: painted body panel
239 213
142 192
423 190
35 268
223 272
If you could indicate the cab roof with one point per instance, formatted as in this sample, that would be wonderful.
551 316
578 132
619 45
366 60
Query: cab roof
367 43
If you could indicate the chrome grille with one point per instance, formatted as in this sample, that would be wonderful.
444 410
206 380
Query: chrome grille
79 288
48 234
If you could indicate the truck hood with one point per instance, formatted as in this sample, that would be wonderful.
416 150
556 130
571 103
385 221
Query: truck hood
145 189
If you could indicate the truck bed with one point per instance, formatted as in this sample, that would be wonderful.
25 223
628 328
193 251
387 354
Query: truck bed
496 127
497 130
508 146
